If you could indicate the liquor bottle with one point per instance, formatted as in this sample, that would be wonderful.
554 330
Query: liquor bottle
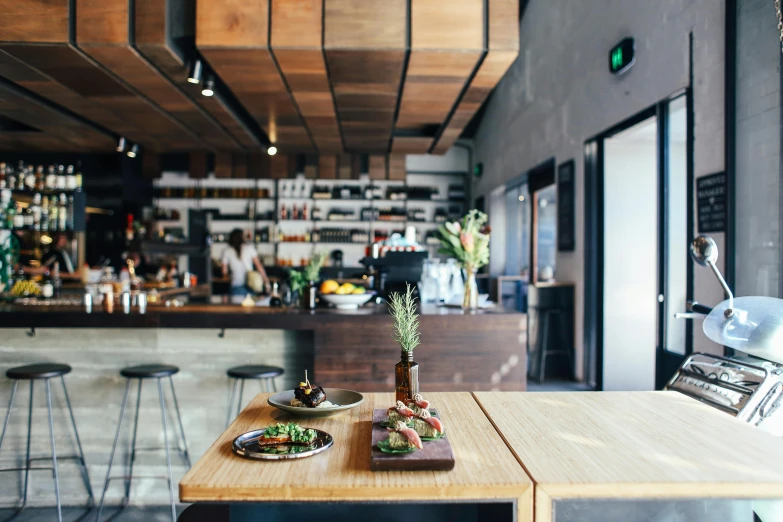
18 217
283 212
2 176
39 178
20 176
47 288
275 300
29 179
27 219
54 214
70 179
69 224
62 213
10 178
45 214
304 211
61 177
35 208
9 210
80 180
57 282
295 212
51 178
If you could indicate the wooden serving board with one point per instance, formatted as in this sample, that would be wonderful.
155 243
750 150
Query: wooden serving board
436 455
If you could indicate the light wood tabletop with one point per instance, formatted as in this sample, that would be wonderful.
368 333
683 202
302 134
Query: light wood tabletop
485 468
633 445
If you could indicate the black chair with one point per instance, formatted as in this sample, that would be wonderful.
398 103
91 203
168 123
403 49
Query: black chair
260 372
548 317
142 372
45 372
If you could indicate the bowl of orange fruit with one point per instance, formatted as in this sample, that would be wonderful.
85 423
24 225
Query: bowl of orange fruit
345 296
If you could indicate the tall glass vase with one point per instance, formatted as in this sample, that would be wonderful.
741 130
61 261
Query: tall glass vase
470 297
406 378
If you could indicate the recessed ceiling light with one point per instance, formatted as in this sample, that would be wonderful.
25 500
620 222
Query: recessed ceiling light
272 150
195 72
133 151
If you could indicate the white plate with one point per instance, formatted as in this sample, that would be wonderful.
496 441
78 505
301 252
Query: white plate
347 301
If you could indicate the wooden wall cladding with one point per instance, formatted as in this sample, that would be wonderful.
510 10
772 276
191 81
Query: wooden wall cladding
233 36
503 48
397 167
365 46
378 168
327 167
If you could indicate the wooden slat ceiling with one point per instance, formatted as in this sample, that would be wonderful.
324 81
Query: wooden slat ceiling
315 76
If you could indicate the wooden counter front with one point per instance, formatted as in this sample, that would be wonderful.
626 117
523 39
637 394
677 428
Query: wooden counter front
485 468
633 445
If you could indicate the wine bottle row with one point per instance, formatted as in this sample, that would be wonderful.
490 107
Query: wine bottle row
27 178
44 213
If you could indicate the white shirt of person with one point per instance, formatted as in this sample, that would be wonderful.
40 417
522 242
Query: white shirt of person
239 265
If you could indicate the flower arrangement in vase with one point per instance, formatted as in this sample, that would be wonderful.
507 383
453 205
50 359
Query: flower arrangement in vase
406 333
304 281
467 241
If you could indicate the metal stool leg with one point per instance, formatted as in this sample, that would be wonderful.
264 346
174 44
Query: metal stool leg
241 393
54 451
27 459
184 448
274 385
567 348
168 456
126 498
231 401
113 449
8 413
86 475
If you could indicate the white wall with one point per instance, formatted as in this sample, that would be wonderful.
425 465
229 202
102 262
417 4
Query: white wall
560 93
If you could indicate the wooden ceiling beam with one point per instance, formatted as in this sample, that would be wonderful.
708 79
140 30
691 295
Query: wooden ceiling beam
447 45
103 33
503 49
297 34
233 36
365 42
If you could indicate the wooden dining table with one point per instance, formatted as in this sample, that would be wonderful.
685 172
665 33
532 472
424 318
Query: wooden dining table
537 455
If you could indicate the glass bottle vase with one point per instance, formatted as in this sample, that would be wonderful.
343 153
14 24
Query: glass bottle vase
470 296
406 378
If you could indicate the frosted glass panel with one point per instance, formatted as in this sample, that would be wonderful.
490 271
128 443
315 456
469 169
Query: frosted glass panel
630 258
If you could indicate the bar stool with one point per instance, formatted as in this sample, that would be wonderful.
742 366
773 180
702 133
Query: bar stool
142 372
548 315
45 372
265 374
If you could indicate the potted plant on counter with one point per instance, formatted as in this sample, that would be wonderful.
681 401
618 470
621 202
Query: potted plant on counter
406 333
306 281
467 241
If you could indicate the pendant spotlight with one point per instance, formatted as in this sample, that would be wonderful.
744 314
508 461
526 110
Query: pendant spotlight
209 86
133 151
196 71
272 150
121 144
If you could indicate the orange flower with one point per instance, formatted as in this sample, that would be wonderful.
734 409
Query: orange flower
466 238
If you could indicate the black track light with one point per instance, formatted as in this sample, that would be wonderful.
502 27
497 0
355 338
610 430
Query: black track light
209 86
196 70
133 151
121 144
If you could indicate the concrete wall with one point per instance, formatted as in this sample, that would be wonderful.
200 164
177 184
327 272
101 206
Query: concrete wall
758 150
560 93
96 389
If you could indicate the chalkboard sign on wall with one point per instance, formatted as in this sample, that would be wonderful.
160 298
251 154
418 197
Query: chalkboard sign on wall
711 202
566 207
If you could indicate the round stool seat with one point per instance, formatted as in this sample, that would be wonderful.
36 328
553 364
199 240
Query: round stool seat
254 371
148 371
38 371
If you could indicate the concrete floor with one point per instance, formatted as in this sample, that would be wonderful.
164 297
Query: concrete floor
74 514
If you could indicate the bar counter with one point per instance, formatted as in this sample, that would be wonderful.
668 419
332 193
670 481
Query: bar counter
480 350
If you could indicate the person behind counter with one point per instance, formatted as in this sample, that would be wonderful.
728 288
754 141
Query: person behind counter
240 258
56 255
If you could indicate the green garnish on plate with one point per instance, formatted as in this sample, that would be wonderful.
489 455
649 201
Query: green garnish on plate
388 424
384 447
295 431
